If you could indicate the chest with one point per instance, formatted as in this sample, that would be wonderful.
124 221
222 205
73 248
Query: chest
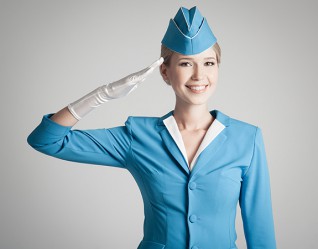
192 141
171 158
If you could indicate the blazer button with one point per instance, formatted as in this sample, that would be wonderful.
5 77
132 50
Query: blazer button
193 218
192 185
194 247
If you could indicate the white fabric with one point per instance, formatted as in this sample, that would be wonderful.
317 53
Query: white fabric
215 128
114 90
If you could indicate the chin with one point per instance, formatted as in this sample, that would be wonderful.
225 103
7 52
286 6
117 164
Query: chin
199 102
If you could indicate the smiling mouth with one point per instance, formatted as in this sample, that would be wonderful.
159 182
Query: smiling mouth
197 89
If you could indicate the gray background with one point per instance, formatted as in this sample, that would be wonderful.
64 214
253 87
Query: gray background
53 52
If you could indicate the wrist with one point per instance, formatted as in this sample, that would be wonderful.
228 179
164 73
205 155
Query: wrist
87 103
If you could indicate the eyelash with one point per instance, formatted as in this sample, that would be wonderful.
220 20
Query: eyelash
182 64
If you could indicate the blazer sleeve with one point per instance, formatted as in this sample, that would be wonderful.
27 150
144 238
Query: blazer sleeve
107 147
255 200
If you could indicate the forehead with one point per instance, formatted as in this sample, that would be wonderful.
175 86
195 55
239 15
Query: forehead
205 54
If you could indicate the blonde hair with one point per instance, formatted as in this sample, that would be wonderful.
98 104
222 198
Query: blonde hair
166 53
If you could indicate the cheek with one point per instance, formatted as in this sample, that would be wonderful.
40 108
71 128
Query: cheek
179 75
184 74
214 75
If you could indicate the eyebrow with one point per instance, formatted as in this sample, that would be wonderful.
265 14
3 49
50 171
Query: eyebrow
188 58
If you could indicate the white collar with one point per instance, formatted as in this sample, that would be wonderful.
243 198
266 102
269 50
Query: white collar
215 128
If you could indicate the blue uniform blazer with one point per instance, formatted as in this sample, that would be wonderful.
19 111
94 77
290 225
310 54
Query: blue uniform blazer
185 206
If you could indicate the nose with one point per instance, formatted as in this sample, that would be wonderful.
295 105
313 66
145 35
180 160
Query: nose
198 73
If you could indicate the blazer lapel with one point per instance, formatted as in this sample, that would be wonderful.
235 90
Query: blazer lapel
170 143
174 149
206 156
214 130
217 140
211 143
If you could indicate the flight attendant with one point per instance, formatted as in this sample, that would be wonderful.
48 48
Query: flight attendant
192 165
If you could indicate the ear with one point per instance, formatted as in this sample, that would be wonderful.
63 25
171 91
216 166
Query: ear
163 71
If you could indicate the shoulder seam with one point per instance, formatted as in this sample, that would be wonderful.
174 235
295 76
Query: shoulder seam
131 138
254 145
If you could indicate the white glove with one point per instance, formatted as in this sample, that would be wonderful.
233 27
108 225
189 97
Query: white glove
110 91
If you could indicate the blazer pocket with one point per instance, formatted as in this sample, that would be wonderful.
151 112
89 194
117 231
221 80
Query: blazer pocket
146 244
233 178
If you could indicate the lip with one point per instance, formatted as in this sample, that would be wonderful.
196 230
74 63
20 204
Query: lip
196 85
197 91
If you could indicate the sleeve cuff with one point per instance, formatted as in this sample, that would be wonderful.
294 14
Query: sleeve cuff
52 127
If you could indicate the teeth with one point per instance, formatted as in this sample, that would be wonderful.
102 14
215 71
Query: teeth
197 87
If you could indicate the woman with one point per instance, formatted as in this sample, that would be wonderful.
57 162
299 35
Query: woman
192 165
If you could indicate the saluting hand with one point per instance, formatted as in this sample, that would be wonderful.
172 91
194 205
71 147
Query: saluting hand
110 91
129 83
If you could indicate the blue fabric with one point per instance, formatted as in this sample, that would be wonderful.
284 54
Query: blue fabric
183 209
188 33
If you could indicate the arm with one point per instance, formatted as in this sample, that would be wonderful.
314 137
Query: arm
255 200
69 115
54 137
64 117
107 147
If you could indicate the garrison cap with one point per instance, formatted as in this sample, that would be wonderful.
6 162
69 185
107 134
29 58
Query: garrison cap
188 33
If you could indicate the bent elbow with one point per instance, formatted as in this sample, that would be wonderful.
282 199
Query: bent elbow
31 140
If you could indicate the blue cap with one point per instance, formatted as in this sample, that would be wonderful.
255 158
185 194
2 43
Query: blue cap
188 33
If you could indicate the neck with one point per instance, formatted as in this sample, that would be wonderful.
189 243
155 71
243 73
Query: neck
193 118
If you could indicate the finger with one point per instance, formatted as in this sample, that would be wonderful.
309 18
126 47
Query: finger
157 63
142 74
152 67
135 78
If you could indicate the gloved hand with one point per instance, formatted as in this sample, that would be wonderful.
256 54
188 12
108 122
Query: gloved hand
110 91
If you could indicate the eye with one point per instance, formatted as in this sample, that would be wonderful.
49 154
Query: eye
184 64
210 63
